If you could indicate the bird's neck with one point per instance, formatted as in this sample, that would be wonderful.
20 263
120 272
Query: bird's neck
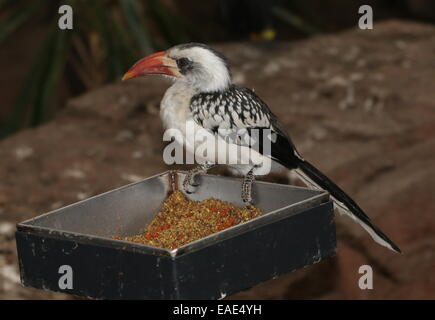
204 82
219 85
194 88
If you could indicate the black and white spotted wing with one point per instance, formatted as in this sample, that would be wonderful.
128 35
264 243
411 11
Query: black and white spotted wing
239 108
239 116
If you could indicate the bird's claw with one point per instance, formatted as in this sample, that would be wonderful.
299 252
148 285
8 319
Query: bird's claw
246 196
247 188
247 202
189 184
187 191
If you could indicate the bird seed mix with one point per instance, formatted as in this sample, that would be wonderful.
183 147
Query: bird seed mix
181 221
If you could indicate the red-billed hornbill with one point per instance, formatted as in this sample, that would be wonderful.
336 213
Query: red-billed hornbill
203 95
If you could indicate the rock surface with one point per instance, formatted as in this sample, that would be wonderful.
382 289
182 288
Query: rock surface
359 104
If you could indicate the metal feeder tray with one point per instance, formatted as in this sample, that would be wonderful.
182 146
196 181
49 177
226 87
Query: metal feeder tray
296 229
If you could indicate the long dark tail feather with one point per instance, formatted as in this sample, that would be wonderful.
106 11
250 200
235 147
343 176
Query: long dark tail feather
342 199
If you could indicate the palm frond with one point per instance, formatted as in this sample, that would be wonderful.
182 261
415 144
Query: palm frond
17 18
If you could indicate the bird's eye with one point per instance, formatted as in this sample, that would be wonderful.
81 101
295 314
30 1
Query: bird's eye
183 63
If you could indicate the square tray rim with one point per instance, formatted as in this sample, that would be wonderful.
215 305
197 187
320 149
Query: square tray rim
29 226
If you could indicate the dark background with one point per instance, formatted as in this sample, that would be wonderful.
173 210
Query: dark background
41 70
358 103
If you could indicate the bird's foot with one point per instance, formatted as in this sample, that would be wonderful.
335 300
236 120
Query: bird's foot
248 180
189 184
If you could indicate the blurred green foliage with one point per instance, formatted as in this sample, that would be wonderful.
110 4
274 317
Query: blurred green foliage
102 45
104 42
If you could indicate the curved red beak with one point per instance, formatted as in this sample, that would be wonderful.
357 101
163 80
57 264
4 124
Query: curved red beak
157 63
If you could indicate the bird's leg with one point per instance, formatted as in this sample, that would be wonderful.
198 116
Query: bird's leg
189 180
248 180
